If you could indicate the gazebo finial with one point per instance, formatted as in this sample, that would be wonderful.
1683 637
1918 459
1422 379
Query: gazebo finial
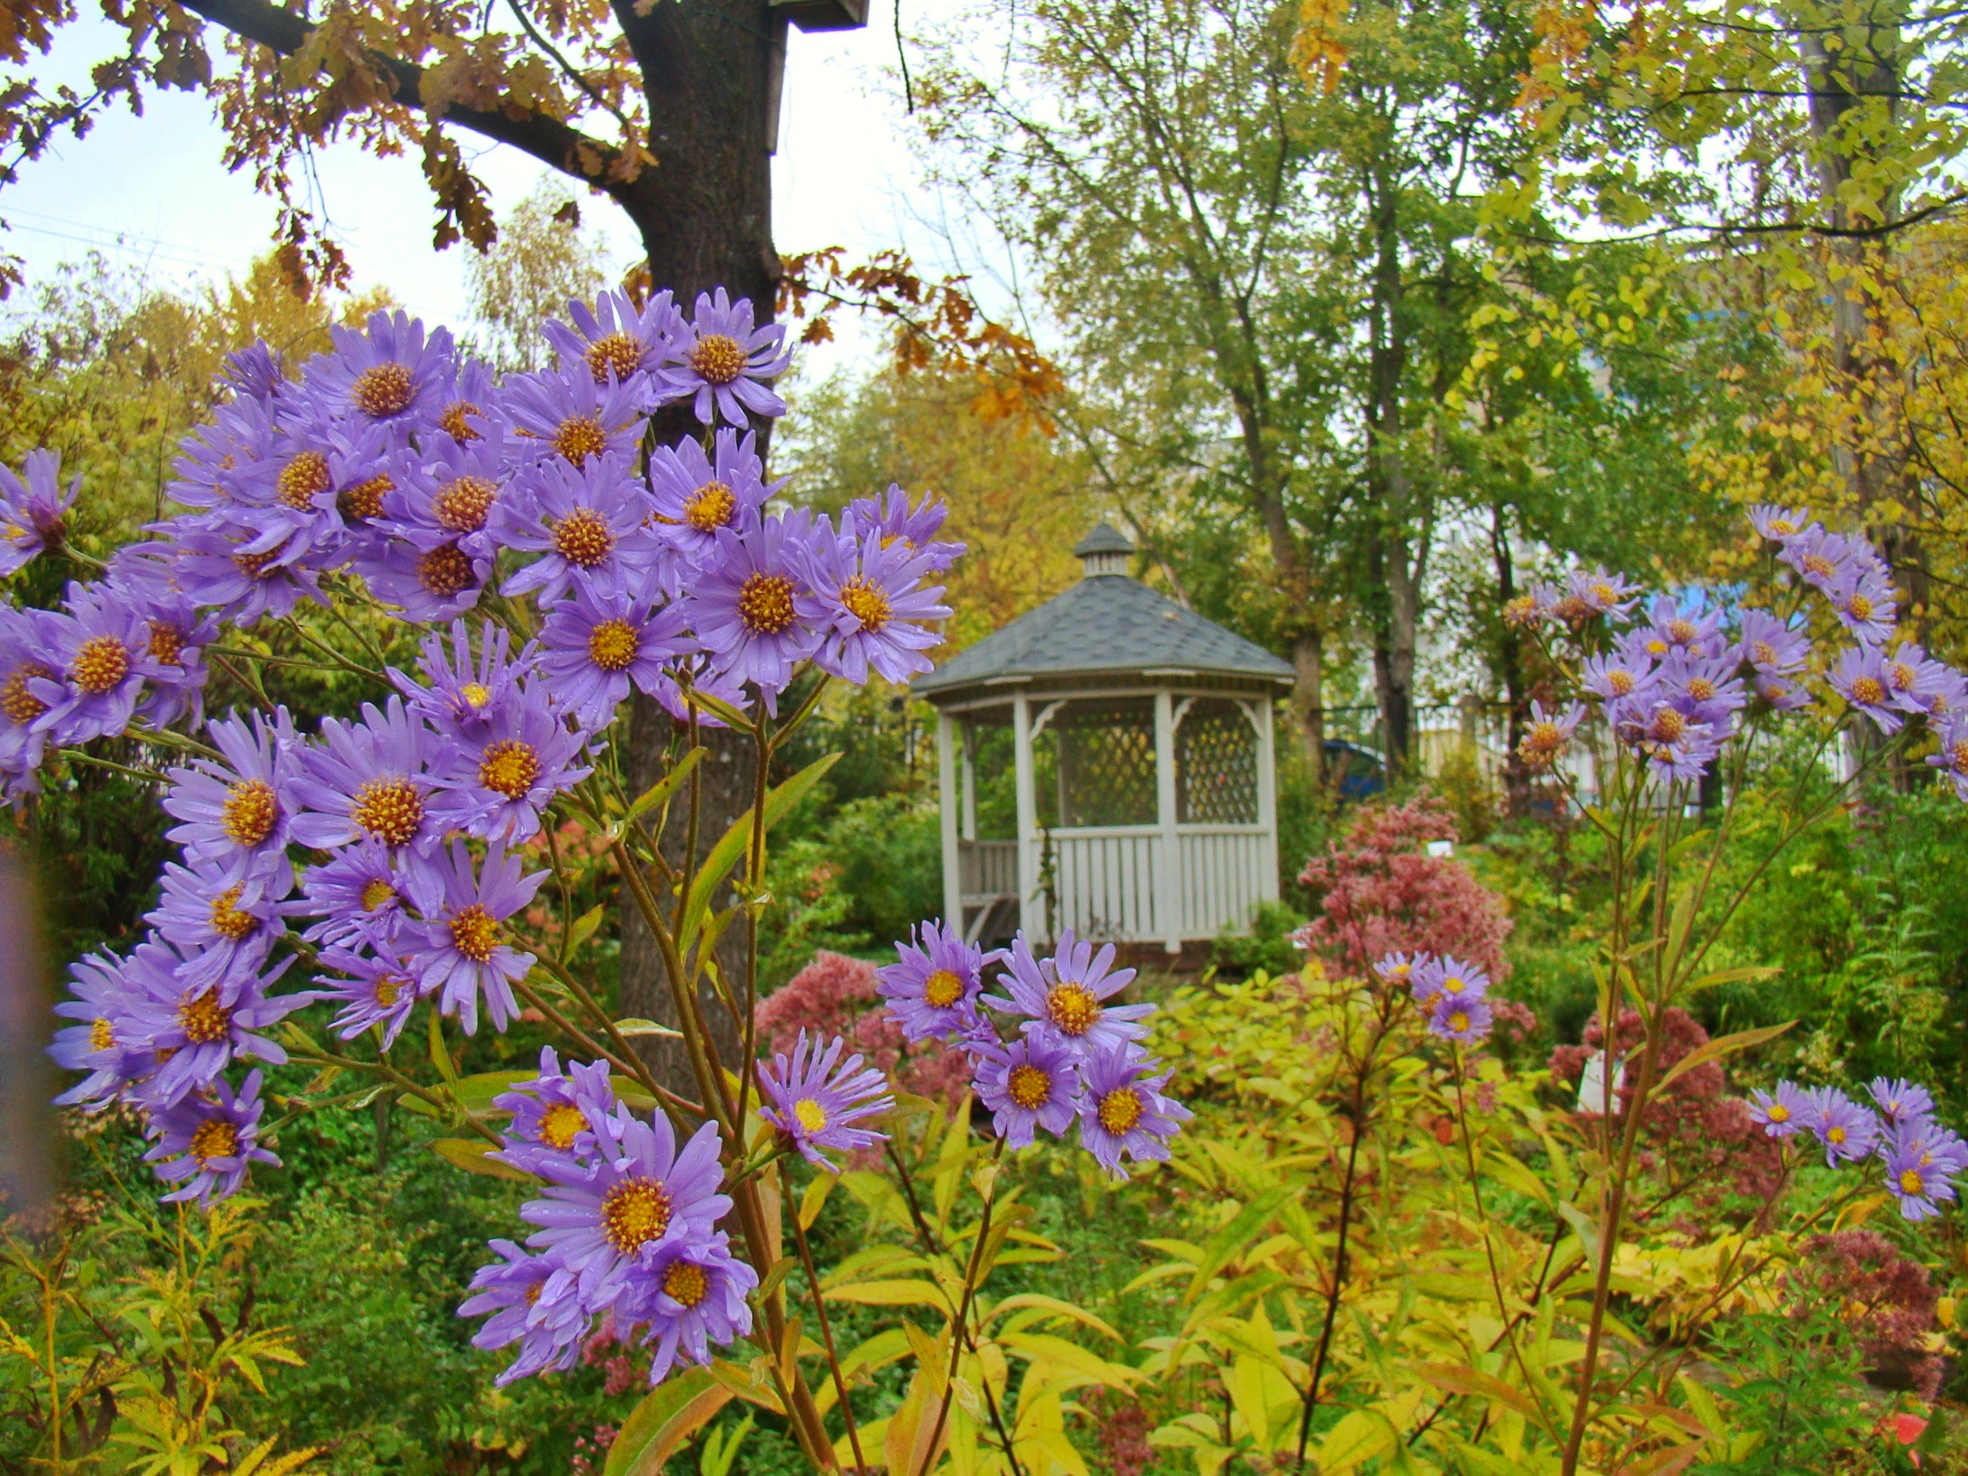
1105 550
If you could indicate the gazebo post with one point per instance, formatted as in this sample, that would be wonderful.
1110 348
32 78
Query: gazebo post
1267 797
946 794
1168 881
1028 813
967 828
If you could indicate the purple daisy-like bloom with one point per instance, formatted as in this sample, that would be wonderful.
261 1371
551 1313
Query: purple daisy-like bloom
495 783
359 890
33 510
1779 524
469 404
871 603
1123 1112
219 916
1064 995
1671 628
221 461
570 417
561 1115
1865 606
1845 1129
814 1097
221 565
205 1143
1028 1083
1704 689
1464 1019
890 518
447 496
1952 758
239 811
590 526
595 646
1447 977
460 693
1602 593
695 495
1913 679
1770 646
1861 678
1397 969
615 339
1549 734
201 1019
1674 745
100 651
693 1299
609 1221
1782 1114
426 585
374 986
256 372
549 1330
175 673
1948 696
106 1042
933 986
1920 1186
1617 677
390 372
722 362
26 657
1900 1102
746 604
367 780
463 950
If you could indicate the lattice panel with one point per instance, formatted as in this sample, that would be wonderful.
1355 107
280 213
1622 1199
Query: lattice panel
1215 766
1107 765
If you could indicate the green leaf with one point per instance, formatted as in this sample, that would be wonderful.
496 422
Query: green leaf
1234 1237
439 1056
668 1416
1726 1045
636 1025
730 849
583 929
469 1155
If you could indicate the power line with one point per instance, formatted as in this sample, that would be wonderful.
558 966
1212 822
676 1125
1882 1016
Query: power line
125 242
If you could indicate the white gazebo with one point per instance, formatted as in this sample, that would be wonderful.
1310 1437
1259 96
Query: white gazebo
1106 765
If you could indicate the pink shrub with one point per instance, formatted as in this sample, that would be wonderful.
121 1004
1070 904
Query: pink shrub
1379 892
835 995
1886 1299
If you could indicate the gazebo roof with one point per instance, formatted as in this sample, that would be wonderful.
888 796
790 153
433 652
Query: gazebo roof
1108 624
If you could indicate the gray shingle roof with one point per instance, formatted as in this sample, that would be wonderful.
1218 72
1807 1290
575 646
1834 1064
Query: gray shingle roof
1104 539
1106 625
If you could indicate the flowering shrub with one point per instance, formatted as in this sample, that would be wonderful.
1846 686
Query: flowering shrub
838 995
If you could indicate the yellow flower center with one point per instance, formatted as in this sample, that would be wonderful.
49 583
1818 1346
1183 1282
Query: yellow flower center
942 989
717 359
560 1124
510 767
686 1282
456 419
250 812
204 1019
300 479
1072 1008
102 1035
476 695
1620 683
1454 984
580 436
1869 691
1903 676
1028 1086
257 566
1958 756
583 539
389 989
1859 607
1458 1022
1603 594
444 571
377 893
710 507
391 810
866 602
228 921
1819 565
462 503
474 934
1763 654
1657 647
613 644
1778 1112
20 705
635 1212
811 1116
214 1138
1120 1109
166 644
384 390
1911 1182
765 604
1544 739
1701 689
1835 1135
1782 528
1668 726
365 499
100 664
1680 631
618 353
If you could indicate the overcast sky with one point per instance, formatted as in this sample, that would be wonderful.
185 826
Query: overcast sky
153 194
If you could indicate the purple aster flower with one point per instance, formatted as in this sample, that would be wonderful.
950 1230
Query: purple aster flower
1900 1102
27 658
391 372
872 607
1601 593
1913 680
1027 1083
426 585
314 499
723 362
447 496
367 780
695 495
1865 606
33 511
610 1221
1952 759
1704 689
200 1019
1779 694
1779 524
615 339
932 989
205 1143
1674 745
460 693
1920 1185
1771 647
1549 734
1826 559
100 651
469 402
1123 1111
691 674
1948 693
1064 995
1847 1130
569 416
1397 969
219 462
358 892
692 1298
107 1042
239 811
226 563
464 950
590 526
376 986
595 646
175 673
1447 977
1860 677
814 1097
256 372
218 916
890 518
549 1330
1616 676
746 604
564 1116
1464 1019
495 783
1671 628
1780 1115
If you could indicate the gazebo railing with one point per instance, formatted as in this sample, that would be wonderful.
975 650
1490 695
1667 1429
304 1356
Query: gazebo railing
987 869
1222 867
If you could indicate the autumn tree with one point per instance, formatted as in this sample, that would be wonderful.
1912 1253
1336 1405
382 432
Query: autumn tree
542 258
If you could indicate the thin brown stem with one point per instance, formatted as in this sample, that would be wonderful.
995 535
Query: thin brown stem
826 1323
962 1318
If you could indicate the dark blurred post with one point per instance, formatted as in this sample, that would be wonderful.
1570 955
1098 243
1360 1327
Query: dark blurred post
27 1121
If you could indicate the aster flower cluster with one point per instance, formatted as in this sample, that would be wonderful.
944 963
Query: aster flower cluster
1071 1057
627 1233
1673 684
1919 1157
1451 993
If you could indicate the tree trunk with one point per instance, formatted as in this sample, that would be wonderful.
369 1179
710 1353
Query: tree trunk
1308 698
710 72
1510 667
1394 599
